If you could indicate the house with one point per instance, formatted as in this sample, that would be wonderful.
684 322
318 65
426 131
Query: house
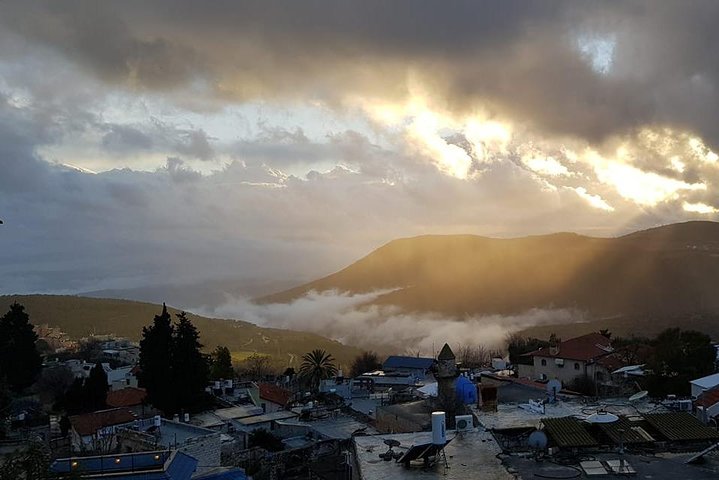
95 432
417 367
131 398
273 397
572 359
116 378
707 405
157 465
701 385
120 378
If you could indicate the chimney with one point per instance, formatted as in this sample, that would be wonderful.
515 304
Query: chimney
554 343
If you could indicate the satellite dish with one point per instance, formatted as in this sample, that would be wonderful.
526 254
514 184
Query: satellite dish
638 396
602 417
553 388
537 440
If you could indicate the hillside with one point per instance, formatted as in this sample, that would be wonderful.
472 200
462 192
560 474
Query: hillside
81 316
667 272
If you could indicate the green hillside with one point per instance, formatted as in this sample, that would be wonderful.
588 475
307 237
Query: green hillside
82 316
666 271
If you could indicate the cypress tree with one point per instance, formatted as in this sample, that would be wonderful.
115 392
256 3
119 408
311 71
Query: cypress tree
95 389
20 362
156 362
189 366
74 399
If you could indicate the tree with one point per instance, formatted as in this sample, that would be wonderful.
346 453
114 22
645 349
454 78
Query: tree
20 362
74 400
95 388
316 366
256 366
475 356
518 345
173 369
53 383
190 371
605 333
65 425
33 462
365 362
679 357
156 361
5 405
221 367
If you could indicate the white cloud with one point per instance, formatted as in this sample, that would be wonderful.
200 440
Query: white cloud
702 208
349 319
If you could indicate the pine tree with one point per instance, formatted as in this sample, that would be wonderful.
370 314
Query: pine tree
189 366
156 361
221 364
20 362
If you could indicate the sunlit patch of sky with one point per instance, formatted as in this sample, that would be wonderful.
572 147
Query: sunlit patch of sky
598 50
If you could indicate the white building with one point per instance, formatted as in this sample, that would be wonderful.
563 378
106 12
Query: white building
701 385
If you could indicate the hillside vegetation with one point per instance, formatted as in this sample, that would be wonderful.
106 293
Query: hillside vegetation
81 316
670 272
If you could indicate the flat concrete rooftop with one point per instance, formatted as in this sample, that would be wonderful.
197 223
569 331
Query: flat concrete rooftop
469 455
656 467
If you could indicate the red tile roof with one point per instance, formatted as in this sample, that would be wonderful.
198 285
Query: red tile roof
708 398
527 382
585 348
89 423
126 397
611 362
273 393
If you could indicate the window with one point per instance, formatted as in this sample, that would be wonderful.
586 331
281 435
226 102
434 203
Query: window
576 366
544 362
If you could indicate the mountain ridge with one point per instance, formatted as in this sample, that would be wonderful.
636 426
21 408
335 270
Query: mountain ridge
667 270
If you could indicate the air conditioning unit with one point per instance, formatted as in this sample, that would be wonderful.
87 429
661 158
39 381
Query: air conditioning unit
464 423
685 405
559 361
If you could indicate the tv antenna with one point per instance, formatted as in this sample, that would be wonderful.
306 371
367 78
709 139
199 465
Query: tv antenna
553 388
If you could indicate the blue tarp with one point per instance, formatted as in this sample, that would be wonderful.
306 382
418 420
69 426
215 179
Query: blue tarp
466 391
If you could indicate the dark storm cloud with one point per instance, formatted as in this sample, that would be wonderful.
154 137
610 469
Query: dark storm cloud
520 59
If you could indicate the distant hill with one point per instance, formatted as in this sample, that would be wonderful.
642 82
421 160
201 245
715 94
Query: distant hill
665 272
82 316
196 296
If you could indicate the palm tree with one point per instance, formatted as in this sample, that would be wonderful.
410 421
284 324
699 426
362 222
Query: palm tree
316 366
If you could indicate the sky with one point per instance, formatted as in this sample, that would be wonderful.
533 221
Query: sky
178 142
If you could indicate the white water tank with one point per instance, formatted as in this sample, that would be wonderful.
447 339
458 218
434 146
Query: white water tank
157 421
439 428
